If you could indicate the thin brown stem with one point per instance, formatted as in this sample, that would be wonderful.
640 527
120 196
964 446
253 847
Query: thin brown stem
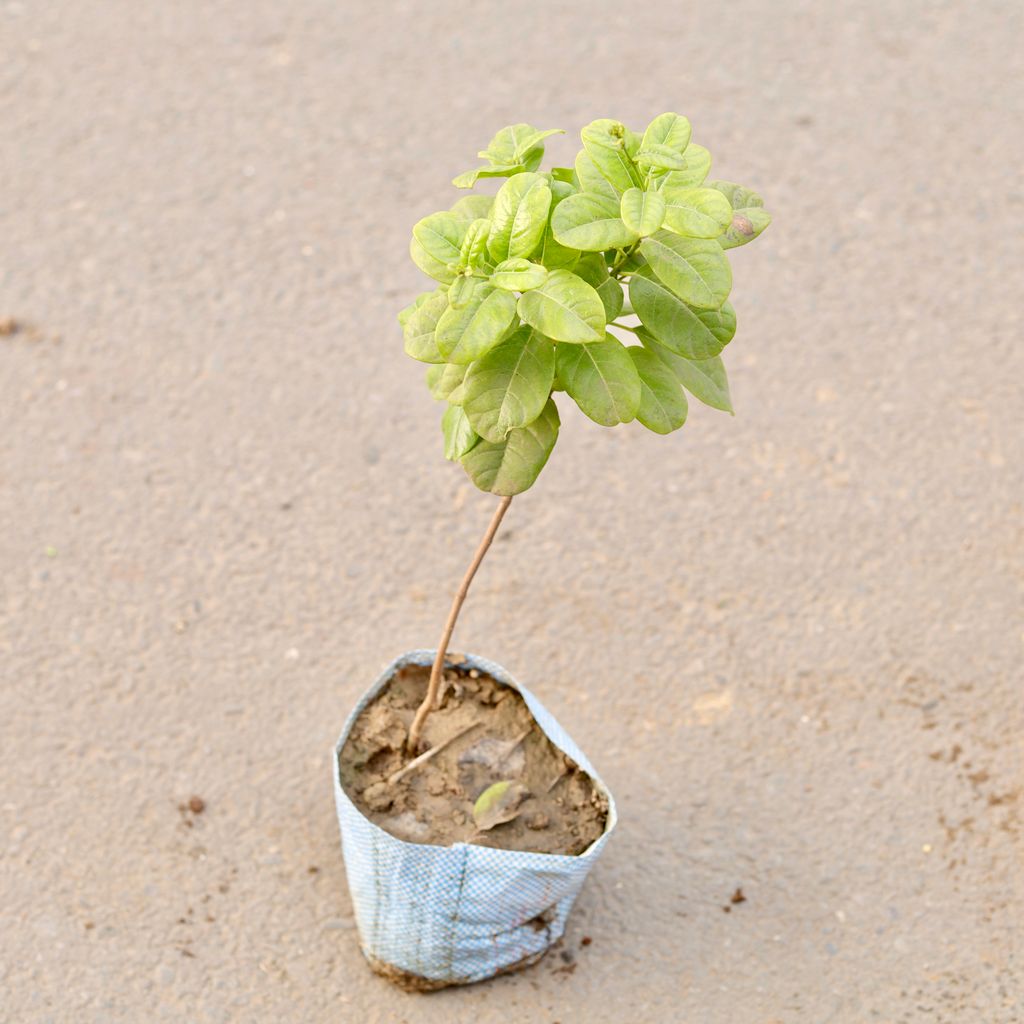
432 699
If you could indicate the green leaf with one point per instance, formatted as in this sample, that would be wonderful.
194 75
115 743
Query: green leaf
593 269
696 212
605 143
519 216
591 179
460 291
694 268
420 342
512 145
612 298
662 157
746 225
748 218
439 237
407 311
669 130
601 379
552 253
697 162
444 379
705 379
466 334
692 333
566 175
474 246
469 178
509 386
663 405
511 466
471 208
498 804
642 212
439 271
565 308
591 223
518 275
459 436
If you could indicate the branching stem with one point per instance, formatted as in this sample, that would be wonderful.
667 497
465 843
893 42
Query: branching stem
432 699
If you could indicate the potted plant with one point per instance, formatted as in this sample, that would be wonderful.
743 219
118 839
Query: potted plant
469 818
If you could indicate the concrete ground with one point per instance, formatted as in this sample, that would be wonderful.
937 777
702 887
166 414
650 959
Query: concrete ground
790 640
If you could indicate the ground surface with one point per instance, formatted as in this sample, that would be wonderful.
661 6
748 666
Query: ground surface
224 508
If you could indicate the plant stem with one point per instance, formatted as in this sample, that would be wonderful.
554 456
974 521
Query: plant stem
624 255
625 327
432 699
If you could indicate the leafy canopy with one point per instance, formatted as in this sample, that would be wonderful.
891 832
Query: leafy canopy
531 292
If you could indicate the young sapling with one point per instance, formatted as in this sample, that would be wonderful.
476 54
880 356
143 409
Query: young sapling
607 280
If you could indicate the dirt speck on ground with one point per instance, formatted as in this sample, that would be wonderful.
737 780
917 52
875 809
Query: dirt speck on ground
558 809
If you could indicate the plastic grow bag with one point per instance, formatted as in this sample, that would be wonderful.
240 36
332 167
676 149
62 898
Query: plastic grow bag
430 916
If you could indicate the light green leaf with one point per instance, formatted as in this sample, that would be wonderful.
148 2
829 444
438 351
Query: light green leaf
469 178
498 804
443 272
705 379
642 212
746 225
601 379
565 308
474 246
670 130
694 268
519 216
513 144
518 275
663 405
551 253
605 143
693 333
748 219
591 223
460 291
511 466
566 175
474 207
418 332
740 197
509 386
696 212
407 311
466 334
593 269
697 164
662 157
612 298
440 236
459 436
591 179
444 379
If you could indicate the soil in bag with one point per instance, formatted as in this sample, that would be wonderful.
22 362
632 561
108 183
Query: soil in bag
551 804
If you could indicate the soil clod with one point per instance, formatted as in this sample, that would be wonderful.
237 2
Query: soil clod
482 734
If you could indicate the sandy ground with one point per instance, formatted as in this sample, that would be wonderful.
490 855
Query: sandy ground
791 640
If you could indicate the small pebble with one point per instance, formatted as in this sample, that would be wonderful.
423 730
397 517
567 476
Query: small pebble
196 804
